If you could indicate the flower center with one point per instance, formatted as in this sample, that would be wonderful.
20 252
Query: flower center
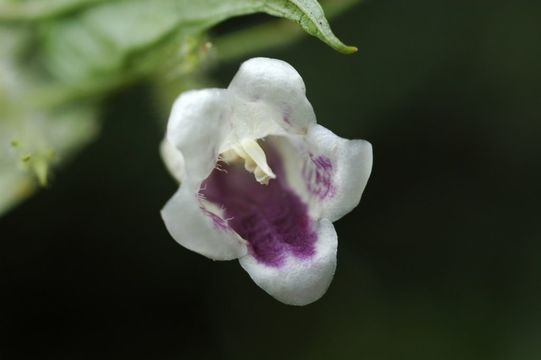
254 158
272 218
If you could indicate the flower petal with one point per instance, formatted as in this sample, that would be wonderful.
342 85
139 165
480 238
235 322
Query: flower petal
342 168
173 159
328 172
197 127
197 228
299 281
275 83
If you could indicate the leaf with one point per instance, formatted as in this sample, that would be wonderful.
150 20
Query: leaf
260 37
309 14
33 138
33 142
132 38
11 10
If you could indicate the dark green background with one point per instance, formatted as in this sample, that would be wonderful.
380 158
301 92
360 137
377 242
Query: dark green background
441 260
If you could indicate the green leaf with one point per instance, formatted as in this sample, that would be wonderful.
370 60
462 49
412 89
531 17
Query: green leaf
309 14
32 142
33 137
259 37
131 38
27 10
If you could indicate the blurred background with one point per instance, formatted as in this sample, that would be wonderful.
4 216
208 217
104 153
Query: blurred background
441 260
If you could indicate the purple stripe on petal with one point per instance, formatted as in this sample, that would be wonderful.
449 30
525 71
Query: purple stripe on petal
218 222
272 218
317 173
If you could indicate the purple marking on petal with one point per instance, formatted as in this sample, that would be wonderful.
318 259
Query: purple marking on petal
317 173
286 114
218 222
272 218
286 119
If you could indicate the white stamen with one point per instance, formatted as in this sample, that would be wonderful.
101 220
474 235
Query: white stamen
254 158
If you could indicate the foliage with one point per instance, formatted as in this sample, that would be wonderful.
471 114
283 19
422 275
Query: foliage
60 58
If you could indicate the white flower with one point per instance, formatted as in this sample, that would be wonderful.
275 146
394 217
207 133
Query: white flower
261 181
